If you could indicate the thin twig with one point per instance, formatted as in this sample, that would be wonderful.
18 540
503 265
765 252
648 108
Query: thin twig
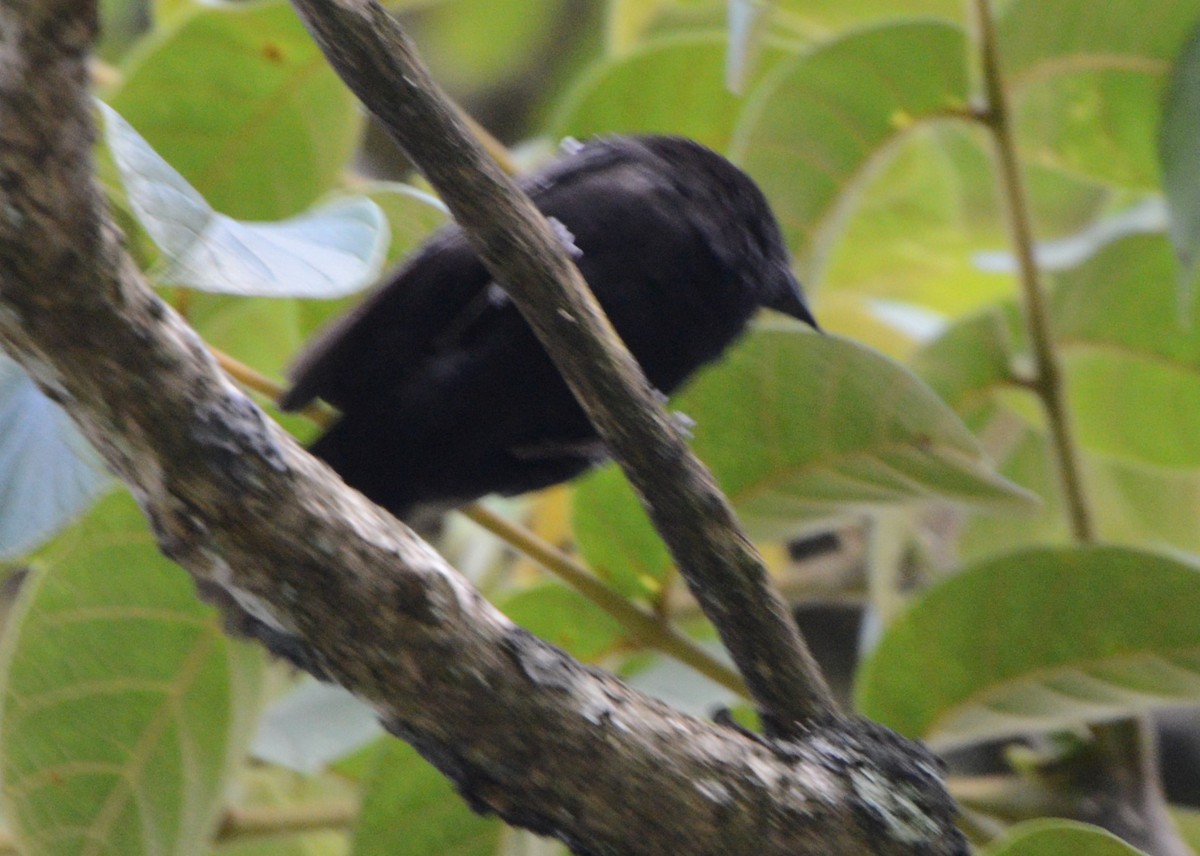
996 116
320 414
248 823
642 626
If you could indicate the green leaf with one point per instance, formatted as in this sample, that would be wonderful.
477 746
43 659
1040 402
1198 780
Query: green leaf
1179 157
916 221
49 473
482 44
1039 639
798 426
825 14
1129 353
1041 38
239 99
819 124
672 85
922 217
1088 85
409 809
1129 361
261 332
627 20
614 536
1058 838
329 252
125 708
970 360
563 617
1126 352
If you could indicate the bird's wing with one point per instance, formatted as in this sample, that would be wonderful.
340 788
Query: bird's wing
394 329
443 299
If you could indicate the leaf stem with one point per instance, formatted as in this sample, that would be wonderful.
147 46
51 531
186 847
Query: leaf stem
641 625
246 823
320 414
1047 383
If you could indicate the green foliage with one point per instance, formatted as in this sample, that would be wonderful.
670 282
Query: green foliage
824 118
1123 642
241 102
1059 838
126 710
409 809
126 713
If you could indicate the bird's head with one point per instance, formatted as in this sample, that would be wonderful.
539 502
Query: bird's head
741 230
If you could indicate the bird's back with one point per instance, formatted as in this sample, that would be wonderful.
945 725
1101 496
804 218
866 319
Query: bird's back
445 392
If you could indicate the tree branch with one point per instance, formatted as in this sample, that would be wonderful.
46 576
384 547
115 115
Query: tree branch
292 554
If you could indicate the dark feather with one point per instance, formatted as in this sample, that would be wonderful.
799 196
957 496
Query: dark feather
446 395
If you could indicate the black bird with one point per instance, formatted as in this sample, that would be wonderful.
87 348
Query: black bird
445 393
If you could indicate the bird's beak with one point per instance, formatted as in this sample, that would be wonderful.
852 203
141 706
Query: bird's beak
790 301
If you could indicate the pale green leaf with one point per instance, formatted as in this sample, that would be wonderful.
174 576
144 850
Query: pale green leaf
798 427
409 809
1040 639
49 473
329 252
239 99
1058 838
669 85
819 124
412 214
1088 85
125 708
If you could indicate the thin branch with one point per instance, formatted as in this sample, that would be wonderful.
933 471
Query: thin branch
241 824
1047 381
721 567
642 626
